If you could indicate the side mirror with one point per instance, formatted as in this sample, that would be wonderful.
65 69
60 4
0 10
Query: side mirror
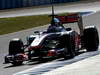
68 29
36 32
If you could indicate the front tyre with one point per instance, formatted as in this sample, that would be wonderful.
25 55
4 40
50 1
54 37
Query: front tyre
70 45
29 55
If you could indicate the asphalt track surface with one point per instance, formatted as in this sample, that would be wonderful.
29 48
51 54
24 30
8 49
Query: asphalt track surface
8 69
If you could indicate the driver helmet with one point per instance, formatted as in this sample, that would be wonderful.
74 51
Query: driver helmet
55 21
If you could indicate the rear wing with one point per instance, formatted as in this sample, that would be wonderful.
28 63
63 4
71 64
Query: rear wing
70 18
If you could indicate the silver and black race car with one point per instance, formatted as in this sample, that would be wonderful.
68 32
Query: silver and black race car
56 41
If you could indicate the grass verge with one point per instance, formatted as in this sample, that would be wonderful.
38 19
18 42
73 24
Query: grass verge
9 25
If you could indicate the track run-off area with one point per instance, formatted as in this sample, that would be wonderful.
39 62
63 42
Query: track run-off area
38 68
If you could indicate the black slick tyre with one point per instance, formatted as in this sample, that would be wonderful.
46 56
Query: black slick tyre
29 55
16 46
69 45
91 38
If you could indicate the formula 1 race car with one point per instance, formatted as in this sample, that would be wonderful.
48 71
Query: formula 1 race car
57 41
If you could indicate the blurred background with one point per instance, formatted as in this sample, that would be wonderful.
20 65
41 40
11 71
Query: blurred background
8 4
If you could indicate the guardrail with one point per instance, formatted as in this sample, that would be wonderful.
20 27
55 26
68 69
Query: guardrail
7 4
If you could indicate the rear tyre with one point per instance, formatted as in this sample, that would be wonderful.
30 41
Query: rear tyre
91 38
